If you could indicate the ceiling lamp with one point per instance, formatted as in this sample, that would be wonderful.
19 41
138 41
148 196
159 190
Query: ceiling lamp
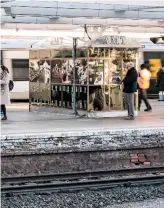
154 40
157 40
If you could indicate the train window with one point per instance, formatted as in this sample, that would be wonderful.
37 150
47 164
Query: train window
20 69
154 60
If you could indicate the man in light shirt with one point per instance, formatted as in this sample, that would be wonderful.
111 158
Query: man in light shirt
144 84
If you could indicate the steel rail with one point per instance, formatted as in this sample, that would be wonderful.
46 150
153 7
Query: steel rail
80 175
81 185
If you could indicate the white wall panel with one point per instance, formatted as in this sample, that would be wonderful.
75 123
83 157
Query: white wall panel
16 54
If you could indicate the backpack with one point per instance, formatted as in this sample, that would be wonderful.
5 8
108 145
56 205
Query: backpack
11 85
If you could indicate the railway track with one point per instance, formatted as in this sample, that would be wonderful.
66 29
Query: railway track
80 175
81 180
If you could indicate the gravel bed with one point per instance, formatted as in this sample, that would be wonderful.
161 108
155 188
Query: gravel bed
84 199
156 203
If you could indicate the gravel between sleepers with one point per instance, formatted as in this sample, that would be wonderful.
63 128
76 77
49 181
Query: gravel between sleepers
85 199
156 203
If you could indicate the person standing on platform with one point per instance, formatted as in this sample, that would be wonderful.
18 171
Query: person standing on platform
5 95
160 82
129 88
144 84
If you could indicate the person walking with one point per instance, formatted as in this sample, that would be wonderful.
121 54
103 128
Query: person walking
129 88
5 95
144 84
160 80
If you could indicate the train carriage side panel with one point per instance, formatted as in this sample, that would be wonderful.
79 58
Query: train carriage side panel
152 55
18 64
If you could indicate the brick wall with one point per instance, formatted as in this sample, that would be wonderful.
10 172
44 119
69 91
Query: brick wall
27 144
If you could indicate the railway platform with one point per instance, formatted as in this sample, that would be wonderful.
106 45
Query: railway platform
52 142
45 120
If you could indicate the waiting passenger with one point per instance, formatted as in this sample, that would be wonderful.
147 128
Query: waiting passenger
5 95
144 84
160 81
130 87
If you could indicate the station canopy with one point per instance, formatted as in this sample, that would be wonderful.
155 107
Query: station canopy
40 19
104 41
58 43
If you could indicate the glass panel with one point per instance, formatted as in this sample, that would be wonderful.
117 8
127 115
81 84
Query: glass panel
20 63
44 81
149 57
44 74
56 71
154 66
67 53
106 98
34 81
99 52
129 53
67 71
20 74
115 97
153 90
115 72
116 53
106 72
81 71
56 95
81 97
80 53
96 72
67 96
115 84
34 70
33 54
34 92
94 52
45 54
44 93
20 69
56 53
96 98
153 55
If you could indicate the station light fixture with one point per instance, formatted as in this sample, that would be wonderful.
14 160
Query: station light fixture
157 40
154 40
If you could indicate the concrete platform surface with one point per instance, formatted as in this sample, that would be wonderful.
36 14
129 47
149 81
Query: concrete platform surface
21 121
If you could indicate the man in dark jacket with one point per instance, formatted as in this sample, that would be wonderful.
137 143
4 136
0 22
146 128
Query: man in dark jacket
160 79
130 87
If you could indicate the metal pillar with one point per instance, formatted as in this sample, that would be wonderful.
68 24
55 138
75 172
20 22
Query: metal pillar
74 77
1 57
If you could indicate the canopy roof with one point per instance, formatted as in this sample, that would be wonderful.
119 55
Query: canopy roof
115 41
104 41
36 18
58 43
